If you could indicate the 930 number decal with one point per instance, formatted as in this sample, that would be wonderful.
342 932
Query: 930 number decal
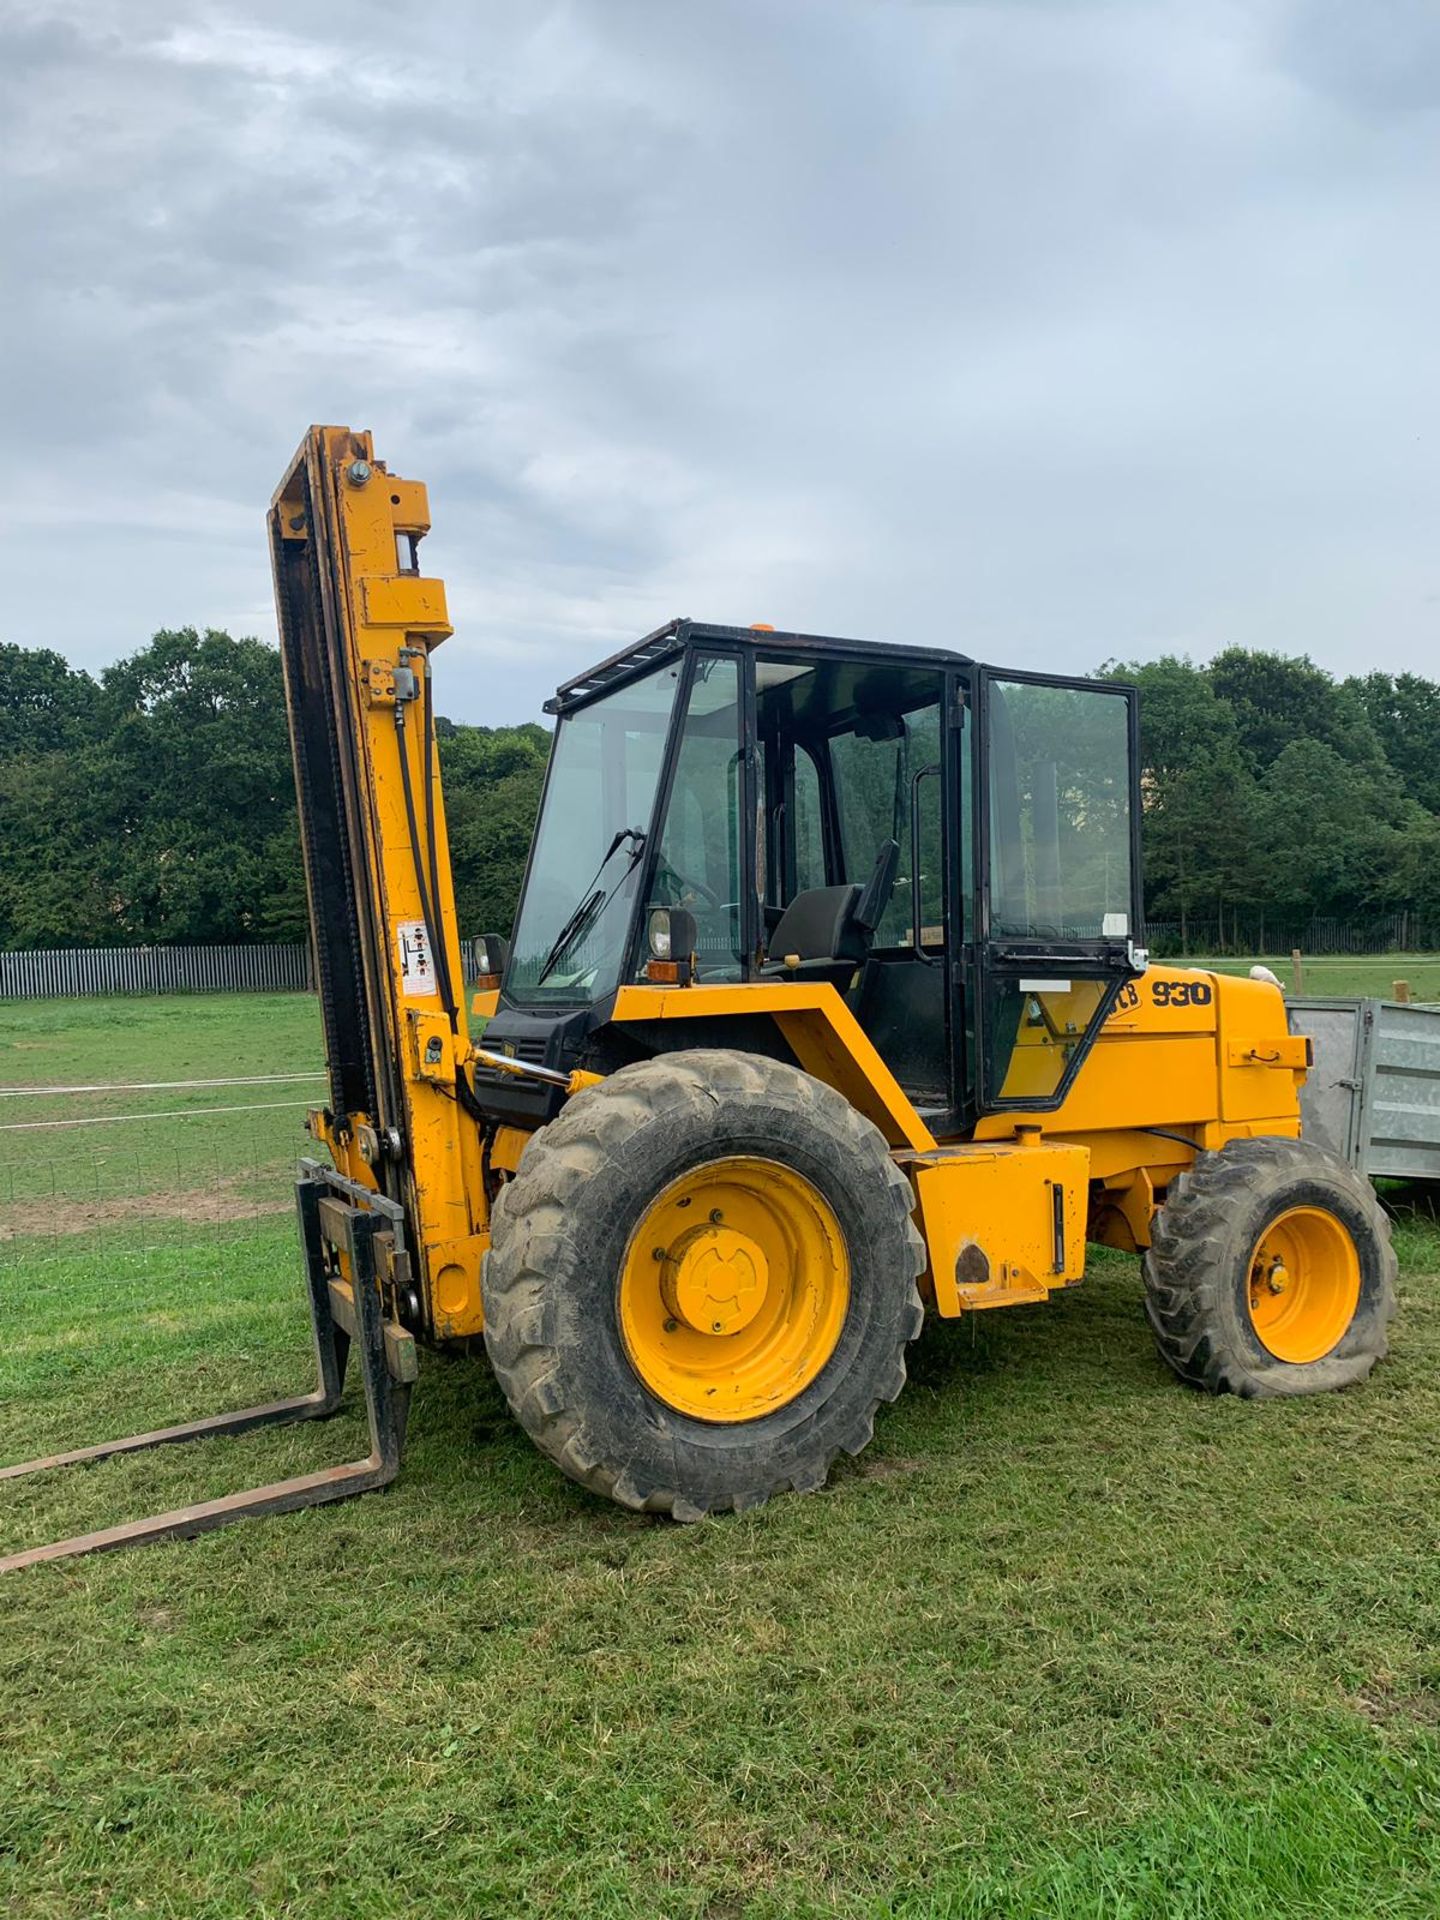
1181 993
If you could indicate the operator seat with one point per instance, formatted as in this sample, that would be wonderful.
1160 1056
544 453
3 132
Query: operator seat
827 931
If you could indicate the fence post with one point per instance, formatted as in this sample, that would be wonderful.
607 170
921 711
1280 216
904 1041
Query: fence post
1297 970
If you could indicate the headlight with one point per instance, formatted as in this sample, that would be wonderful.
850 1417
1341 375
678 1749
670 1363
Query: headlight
660 934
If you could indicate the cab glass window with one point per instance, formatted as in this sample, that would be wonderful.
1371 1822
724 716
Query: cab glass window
1034 1029
808 835
698 861
887 778
1060 852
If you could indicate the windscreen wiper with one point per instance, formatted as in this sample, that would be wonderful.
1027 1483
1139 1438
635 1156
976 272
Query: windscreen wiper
588 911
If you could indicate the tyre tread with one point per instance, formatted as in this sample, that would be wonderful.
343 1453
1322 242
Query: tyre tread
1185 1269
543 1203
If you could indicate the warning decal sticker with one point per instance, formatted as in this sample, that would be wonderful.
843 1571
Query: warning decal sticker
417 972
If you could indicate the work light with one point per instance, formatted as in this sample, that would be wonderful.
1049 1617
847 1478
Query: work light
492 954
671 935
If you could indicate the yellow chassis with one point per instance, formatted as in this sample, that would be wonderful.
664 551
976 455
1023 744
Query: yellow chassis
1006 1214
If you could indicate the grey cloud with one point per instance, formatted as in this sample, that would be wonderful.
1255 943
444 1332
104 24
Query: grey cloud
1048 332
1378 58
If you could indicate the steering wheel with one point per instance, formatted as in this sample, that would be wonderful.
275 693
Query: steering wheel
686 889
708 898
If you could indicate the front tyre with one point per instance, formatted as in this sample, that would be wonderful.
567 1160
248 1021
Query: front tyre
1270 1272
701 1283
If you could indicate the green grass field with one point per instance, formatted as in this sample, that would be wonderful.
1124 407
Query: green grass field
1066 1641
1366 976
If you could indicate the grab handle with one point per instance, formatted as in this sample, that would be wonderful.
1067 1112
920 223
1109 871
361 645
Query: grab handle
929 959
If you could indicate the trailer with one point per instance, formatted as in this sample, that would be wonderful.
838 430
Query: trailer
1372 1096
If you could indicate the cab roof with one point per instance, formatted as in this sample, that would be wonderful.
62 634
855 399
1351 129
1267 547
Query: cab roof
666 642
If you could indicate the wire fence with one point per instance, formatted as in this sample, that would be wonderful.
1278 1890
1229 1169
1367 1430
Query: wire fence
118 1181
150 1266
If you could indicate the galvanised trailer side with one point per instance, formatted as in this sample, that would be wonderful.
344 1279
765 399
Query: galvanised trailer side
1373 1094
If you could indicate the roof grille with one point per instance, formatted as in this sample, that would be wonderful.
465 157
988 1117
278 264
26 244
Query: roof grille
655 647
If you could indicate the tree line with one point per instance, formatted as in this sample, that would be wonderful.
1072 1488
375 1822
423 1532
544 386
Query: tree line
1270 787
155 803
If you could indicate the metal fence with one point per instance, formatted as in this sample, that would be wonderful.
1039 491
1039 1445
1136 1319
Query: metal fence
54 973
62 972
1255 933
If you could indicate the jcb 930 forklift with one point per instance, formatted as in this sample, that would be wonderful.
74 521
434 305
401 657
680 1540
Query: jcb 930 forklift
824 1006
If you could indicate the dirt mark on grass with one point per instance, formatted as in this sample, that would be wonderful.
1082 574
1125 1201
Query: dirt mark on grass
196 1207
1382 1706
160 1619
887 1466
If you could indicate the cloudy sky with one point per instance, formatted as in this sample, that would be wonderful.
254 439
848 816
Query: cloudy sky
1049 332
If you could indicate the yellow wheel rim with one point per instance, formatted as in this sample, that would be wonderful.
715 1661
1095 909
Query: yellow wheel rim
1304 1284
734 1289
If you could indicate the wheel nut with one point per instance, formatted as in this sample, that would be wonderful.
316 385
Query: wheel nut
657 1253
716 1216
671 1326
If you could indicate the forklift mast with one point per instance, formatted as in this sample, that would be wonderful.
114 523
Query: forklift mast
358 624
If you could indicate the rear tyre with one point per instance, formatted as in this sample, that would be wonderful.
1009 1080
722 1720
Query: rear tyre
1270 1272
701 1283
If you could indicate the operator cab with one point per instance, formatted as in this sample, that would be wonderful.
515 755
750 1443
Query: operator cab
952 849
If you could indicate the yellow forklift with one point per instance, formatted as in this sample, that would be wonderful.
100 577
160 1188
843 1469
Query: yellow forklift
824 1006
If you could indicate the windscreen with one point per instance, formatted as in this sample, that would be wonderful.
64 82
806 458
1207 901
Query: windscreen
570 933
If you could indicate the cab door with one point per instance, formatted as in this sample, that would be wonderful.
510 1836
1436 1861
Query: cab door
1058 879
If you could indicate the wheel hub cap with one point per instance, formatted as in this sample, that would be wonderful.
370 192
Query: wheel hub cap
716 1280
